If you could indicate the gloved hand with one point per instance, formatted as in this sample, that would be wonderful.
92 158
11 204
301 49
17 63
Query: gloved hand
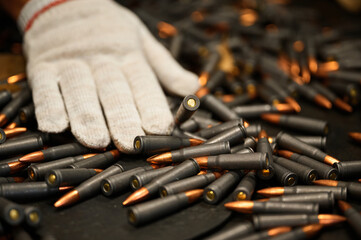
85 56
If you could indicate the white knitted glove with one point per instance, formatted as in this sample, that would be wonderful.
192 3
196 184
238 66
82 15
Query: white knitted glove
85 56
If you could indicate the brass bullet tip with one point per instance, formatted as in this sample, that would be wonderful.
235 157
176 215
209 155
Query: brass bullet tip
137 196
278 230
311 230
326 182
330 219
322 101
240 206
68 199
270 192
342 105
194 195
356 136
294 104
285 153
330 160
272 118
195 142
33 157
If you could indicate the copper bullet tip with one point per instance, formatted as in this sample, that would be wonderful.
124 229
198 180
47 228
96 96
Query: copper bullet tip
263 134
16 78
202 92
355 136
330 160
3 120
202 161
64 188
311 230
137 196
278 230
329 66
33 157
270 192
322 101
68 199
342 105
312 65
330 219
14 131
11 125
272 118
16 166
161 158
98 170
326 182
89 155
194 195
284 107
227 98
203 78
240 206
344 206
293 103
285 153
195 142
115 153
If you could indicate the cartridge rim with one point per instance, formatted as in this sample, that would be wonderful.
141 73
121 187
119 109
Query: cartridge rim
135 183
106 187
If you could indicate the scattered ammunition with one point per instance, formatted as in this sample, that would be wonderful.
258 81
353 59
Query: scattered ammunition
293 144
11 180
89 187
325 200
345 76
349 91
157 144
300 233
69 177
12 108
189 105
233 101
249 142
316 141
5 97
268 233
208 68
32 216
272 207
190 152
27 113
347 170
268 96
218 108
138 180
323 170
160 207
270 221
314 96
198 181
284 176
185 169
119 182
340 193
21 145
215 130
233 135
237 231
102 160
353 216
215 80
56 152
253 130
10 213
305 174
10 168
218 189
235 161
27 190
353 188
38 171
14 123
253 111
13 132
302 124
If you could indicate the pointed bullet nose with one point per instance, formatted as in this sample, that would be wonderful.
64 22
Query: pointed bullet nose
272 118
195 142
326 182
32 157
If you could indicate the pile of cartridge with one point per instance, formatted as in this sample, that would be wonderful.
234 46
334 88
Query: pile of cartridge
259 63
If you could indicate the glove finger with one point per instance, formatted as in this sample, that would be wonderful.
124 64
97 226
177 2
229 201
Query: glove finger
81 101
117 100
172 76
148 95
49 106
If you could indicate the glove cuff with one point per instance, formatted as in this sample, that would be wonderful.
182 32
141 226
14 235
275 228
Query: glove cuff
32 10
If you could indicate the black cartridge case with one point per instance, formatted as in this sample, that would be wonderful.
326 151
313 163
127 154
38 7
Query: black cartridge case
304 124
253 130
270 221
189 105
242 150
157 144
140 179
324 171
218 189
213 131
348 90
268 96
65 150
21 145
198 181
284 176
237 161
324 91
234 86
27 113
298 233
286 141
273 207
215 80
353 189
316 141
239 100
233 135
237 231
325 200
33 216
119 182
254 111
263 146
347 170
276 87
102 160
353 217
345 76
249 142
12 108
68 177
151 210
26 190
38 171
191 125
10 213
7 169
245 188
218 108
11 179
5 97
306 174
340 193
